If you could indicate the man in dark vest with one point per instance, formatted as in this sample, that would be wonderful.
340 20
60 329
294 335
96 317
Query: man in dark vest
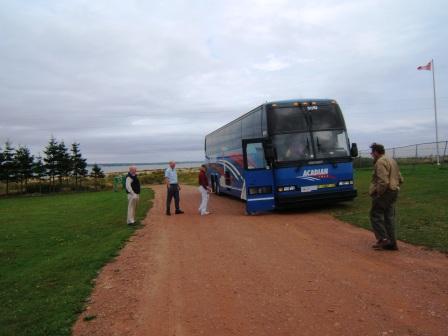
133 190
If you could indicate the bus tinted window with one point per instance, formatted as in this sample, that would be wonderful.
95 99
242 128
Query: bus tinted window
287 119
251 125
326 117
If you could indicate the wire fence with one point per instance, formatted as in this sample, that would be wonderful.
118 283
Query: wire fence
411 154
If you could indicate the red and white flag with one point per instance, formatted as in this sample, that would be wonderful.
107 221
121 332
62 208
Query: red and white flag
425 67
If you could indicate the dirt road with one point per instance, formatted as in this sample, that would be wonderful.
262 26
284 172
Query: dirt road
275 274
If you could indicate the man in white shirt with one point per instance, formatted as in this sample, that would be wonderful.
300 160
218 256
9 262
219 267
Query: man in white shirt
133 191
173 188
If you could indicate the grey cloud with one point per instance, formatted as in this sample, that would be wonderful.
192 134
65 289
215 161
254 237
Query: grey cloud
131 80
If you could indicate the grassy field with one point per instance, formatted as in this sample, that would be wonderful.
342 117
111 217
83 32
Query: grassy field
185 175
51 248
422 208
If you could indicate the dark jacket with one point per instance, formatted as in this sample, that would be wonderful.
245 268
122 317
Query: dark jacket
135 184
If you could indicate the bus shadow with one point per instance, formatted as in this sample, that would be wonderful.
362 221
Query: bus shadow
306 208
312 208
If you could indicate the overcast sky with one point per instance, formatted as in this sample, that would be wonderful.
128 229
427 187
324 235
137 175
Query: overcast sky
145 81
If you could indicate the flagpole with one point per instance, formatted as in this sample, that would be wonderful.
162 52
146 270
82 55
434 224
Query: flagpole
435 111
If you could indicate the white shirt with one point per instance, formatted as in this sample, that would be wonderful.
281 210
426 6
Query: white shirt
171 175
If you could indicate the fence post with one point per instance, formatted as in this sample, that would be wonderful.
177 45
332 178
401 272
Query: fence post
444 151
416 153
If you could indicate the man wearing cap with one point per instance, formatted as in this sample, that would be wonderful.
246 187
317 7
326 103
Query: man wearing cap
173 188
384 188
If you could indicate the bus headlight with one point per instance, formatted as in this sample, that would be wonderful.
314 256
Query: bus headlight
345 183
286 188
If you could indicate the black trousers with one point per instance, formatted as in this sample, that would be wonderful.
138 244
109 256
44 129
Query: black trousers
382 216
172 191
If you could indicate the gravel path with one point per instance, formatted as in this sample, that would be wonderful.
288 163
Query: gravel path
273 274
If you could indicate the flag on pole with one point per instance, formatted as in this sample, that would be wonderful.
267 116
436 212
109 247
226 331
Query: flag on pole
425 67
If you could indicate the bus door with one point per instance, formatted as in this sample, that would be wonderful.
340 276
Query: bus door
258 177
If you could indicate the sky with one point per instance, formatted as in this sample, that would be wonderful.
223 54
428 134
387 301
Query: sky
144 81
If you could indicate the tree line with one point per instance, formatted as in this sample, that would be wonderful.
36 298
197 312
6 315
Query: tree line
57 167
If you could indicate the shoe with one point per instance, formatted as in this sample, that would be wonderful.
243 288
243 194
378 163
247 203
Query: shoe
205 213
390 247
132 223
379 245
178 212
168 213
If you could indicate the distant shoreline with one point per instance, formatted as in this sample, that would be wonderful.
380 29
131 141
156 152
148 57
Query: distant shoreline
123 167
141 163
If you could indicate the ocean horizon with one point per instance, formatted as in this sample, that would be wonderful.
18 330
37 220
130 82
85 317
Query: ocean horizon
121 167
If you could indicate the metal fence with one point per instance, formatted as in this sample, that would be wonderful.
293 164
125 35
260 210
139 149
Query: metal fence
418 153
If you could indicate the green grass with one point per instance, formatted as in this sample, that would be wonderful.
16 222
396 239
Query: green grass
422 207
189 176
51 248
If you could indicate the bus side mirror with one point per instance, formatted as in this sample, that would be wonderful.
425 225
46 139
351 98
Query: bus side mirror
354 150
269 152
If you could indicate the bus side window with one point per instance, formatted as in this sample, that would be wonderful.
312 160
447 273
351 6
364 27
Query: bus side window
255 156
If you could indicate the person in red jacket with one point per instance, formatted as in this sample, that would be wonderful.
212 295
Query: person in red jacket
204 189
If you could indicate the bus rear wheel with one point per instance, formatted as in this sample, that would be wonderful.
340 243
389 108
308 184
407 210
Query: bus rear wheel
217 188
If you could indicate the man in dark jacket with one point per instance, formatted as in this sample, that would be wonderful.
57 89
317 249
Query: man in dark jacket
133 190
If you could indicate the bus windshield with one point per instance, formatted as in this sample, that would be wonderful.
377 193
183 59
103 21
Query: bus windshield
331 144
298 146
294 119
326 117
293 146
288 119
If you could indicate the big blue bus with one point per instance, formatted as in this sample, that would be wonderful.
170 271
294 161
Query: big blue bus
283 154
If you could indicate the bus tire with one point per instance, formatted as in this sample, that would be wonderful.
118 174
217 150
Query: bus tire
217 188
212 183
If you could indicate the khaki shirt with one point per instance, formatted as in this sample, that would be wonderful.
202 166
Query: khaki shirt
386 176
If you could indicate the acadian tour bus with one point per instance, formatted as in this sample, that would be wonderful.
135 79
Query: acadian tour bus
283 154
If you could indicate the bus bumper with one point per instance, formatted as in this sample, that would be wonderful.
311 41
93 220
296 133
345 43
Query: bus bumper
327 197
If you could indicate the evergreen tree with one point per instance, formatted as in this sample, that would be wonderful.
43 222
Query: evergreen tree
78 164
50 159
24 165
63 162
39 171
96 173
8 174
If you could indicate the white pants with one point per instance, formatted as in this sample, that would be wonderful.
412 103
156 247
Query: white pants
132 205
204 201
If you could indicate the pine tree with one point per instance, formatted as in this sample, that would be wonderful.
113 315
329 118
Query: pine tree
96 173
8 173
39 170
24 165
78 164
63 162
50 159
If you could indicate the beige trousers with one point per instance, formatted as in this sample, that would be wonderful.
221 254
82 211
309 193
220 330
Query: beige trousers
204 200
132 206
